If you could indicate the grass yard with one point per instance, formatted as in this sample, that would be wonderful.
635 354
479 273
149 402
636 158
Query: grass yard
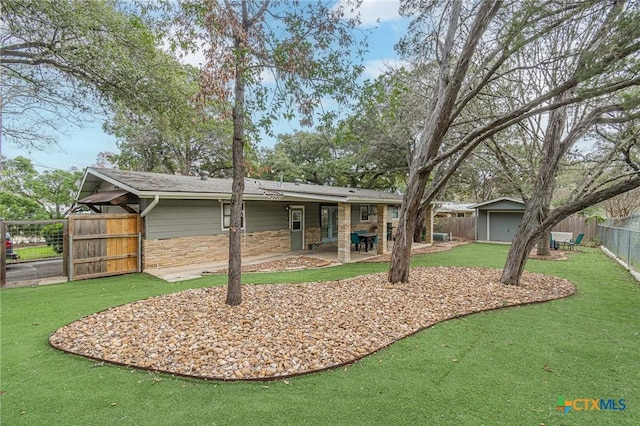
502 367
36 252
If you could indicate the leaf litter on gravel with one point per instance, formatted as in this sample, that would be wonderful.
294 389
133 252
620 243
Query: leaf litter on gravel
284 330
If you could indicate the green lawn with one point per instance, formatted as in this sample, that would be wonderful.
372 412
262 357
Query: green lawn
36 252
502 367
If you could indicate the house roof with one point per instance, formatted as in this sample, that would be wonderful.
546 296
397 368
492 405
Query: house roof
496 200
148 185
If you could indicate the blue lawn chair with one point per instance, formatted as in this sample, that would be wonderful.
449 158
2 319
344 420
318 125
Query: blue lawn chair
577 241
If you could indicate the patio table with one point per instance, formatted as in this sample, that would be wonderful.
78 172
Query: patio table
367 238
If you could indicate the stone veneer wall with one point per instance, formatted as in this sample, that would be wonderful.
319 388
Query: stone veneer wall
211 248
344 229
311 235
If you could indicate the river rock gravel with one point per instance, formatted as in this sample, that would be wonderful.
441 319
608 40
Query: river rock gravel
282 330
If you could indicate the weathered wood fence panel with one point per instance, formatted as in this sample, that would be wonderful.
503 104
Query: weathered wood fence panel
104 244
461 227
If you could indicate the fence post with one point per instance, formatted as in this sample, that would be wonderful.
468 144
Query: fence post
71 257
629 248
139 252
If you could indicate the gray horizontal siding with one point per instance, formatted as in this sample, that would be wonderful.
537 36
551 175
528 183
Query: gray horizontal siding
312 215
183 218
187 218
266 216
481 226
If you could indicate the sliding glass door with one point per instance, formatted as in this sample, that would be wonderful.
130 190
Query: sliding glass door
329 223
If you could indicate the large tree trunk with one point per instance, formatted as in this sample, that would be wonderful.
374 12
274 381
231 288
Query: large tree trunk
234 288
544 243
436 127
538 205
544 240
522 244
401 255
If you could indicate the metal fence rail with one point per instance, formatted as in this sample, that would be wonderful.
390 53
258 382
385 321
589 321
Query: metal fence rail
624 243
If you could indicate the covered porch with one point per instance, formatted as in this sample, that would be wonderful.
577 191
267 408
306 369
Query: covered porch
327 253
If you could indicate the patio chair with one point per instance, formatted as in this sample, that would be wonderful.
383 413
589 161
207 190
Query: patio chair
577 241
355 240
374 242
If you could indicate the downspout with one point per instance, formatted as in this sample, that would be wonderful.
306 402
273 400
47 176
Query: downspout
150 207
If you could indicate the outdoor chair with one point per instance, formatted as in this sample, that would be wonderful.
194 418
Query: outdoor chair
355 240
576 242
374 242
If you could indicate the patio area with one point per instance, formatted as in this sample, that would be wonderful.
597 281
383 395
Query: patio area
323 256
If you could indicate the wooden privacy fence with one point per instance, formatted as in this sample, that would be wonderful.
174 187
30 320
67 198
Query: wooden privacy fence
461 227
101 245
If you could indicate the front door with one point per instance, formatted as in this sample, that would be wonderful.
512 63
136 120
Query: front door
296 219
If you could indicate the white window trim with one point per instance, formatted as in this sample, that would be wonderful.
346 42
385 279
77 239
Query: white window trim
368 207
244 215
395 212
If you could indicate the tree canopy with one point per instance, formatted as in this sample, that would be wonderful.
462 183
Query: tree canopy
480 50
267 59
62 60
27 194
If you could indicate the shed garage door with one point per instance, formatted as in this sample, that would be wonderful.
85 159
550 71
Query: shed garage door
503 225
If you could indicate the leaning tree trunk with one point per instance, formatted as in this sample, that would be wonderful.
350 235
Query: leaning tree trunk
536 208
530 230
450 78
523 242
401 255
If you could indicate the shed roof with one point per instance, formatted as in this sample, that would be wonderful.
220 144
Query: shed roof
148 185
495 201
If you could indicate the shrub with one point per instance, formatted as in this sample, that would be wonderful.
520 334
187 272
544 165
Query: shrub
54 236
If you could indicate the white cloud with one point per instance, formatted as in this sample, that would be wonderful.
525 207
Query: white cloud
374 11
374 67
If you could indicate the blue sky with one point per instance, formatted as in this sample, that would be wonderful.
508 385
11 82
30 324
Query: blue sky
79 147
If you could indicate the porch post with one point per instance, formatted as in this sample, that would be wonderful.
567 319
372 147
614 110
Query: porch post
344 232
428 225
383 212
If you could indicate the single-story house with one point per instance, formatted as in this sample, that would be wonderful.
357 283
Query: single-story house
185 219
498 219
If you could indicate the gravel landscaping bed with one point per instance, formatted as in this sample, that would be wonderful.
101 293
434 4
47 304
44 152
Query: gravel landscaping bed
283 330
286 264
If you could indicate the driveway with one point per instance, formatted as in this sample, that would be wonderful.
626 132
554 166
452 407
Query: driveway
21 274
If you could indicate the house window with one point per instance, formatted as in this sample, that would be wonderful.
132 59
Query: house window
226 216
365 211
395 212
